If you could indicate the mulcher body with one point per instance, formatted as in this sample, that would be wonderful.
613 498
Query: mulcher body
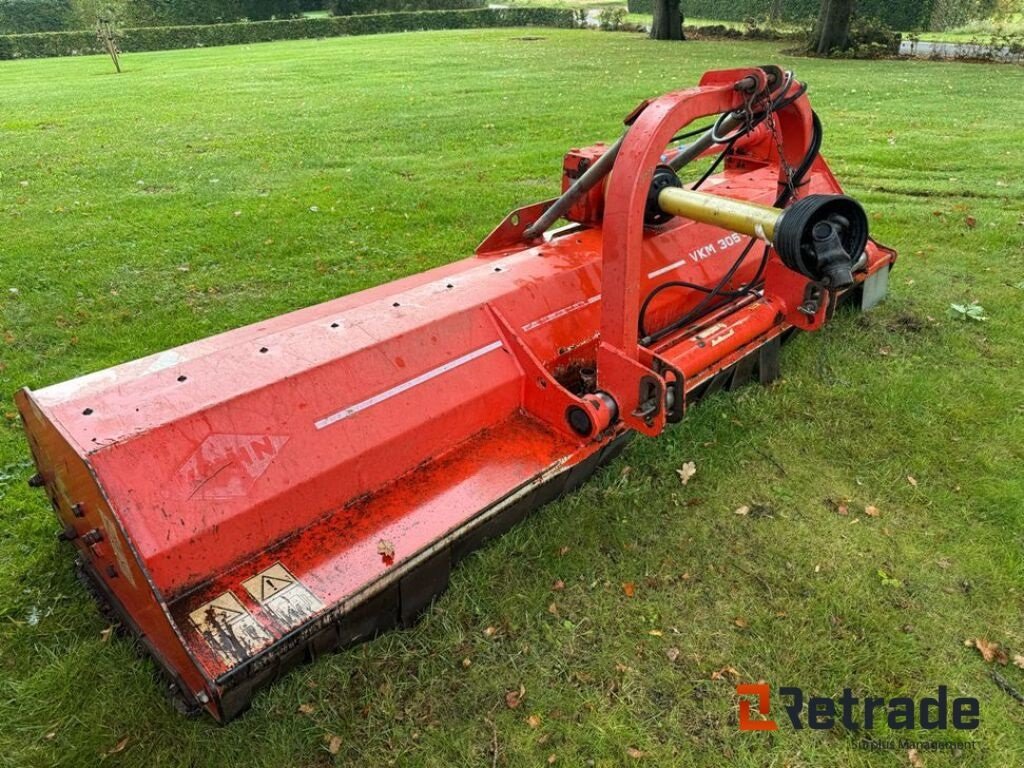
253 499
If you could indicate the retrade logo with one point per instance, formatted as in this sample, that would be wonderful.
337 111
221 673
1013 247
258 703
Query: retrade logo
822 712
763 694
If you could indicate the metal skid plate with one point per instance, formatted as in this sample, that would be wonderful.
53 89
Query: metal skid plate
874 289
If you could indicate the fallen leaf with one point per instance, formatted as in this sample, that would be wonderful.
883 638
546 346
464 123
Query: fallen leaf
635 753
916 761
686 472
553 609
724 672
490 632
563 551
740 622
871 510
467 663
552 758
843 510
333 743
655 633
306 709
533 721
119 747
672 653
385 548
912 480
971 222
1018 660
106 634
628 589
514 698
989 651
558 586
744 510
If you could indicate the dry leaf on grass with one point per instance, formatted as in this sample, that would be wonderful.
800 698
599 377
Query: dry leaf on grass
119 747
989 651
628 589
871 510
672 653
333 743
740 622
744 510
514 698
686 472
911 480
533 721
916 761
1018 660
306 709
725 672
558 586
635 753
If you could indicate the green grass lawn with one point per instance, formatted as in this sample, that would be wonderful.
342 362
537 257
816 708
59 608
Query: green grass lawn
205 189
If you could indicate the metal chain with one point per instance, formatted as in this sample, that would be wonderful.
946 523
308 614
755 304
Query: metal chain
774 131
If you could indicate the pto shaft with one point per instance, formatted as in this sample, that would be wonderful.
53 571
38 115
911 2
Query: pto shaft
819 236
746 218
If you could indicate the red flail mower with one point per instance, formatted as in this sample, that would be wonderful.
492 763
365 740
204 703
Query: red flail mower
254 499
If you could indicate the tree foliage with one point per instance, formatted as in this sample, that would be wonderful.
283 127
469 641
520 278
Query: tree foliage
23 16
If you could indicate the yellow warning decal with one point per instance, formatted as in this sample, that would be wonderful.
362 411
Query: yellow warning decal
282 595
229 629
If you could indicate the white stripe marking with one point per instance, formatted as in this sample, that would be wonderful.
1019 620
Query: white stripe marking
663 270
405 386
560 312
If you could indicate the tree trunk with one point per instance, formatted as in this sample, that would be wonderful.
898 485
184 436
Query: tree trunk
668 21
832 31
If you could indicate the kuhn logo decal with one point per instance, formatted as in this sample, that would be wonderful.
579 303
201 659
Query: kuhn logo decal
227 465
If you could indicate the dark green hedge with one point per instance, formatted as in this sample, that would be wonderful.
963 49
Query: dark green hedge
165 38
358 7
899 14
21 16
156 13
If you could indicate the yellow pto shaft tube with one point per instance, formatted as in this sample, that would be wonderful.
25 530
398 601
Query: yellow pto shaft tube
735 215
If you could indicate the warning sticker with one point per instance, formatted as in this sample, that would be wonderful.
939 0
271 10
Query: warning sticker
229 628
283 595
